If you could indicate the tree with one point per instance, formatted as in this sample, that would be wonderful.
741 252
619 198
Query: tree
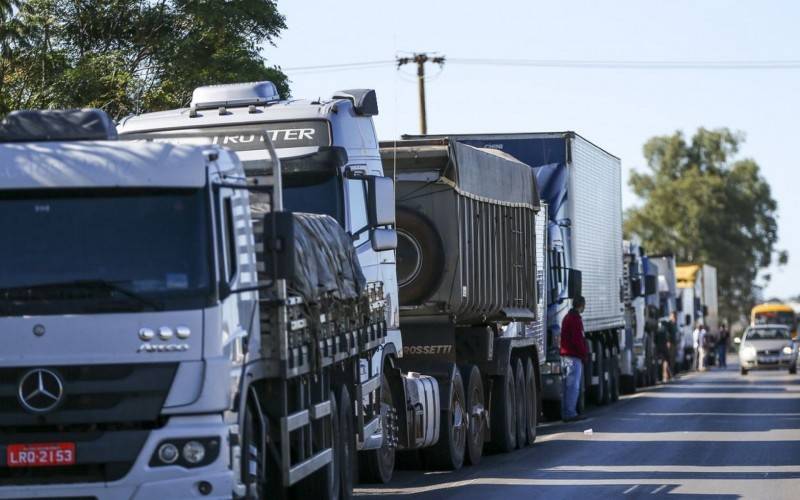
128 56
705 206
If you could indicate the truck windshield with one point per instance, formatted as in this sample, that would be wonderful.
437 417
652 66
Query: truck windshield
314 193
89 251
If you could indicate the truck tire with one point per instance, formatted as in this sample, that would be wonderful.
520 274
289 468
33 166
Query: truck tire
326 483
532 407
347 445
448 452
605 378
614 379
598 371
475 408
744 371
793 370
420 256
503 416
521 403
377 466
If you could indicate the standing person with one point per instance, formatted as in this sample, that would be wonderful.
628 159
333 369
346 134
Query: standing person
662 350
722 345
573 354
675 341
696 345
702 348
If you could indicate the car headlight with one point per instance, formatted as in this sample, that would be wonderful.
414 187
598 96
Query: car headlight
748 351
787 349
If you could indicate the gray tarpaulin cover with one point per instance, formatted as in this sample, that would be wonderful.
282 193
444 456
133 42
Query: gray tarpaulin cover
491 174
325 260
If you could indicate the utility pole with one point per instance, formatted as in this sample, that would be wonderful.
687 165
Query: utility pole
420 60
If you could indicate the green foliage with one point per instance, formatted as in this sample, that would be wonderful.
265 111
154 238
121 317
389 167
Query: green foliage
128 56
704 206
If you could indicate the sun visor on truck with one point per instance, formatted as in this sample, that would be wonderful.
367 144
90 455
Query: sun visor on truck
57 125
491 174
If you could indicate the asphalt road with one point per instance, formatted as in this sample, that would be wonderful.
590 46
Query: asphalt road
706 435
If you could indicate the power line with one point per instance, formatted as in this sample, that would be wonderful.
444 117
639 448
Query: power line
576 63
632 64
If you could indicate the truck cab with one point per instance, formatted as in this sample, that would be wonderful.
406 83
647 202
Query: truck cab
124 351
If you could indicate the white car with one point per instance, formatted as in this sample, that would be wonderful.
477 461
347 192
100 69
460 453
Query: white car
768 347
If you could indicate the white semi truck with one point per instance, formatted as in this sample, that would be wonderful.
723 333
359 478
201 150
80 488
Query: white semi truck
171 331
332 165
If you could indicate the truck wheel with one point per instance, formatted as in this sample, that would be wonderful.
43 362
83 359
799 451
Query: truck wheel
503 422
377 466
532 407
793 370
347 445
419 256
614 379
448 452
605 377
326 483
744 371
598 394
521 403
476 406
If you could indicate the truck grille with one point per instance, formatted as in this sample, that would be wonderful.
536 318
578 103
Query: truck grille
93 394
107 411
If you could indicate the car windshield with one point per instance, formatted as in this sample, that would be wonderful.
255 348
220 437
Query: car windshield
768 334
85 251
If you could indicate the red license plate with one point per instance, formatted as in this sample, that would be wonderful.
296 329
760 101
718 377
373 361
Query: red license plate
40 454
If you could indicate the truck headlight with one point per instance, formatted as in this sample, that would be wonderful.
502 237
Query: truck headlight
194 452
787 349
168 453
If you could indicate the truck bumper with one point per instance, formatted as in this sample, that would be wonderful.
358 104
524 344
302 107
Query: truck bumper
146 482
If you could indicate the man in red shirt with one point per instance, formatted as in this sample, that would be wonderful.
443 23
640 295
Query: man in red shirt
573 354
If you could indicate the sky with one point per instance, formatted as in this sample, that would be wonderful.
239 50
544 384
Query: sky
618 109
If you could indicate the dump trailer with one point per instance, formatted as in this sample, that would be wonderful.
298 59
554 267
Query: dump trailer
471 280
193 338
331 166
581 184
638 285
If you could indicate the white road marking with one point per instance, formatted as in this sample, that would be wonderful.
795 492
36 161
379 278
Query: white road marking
743 488
687 469
716 414
773 435
718 395
630 489
658 489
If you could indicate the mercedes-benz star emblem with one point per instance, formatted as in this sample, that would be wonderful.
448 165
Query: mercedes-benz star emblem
40 390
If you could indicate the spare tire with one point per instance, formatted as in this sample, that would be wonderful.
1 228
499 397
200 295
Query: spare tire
420 257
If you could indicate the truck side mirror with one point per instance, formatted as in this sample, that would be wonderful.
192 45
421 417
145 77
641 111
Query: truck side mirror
705 311
650 285
381 202
689 321
383 239
279 244
574 283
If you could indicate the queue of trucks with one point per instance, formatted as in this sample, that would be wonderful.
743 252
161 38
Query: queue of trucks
255 297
